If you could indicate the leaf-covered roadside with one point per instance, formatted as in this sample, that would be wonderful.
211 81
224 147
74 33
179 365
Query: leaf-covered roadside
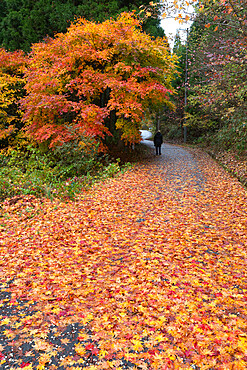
233 163
145 271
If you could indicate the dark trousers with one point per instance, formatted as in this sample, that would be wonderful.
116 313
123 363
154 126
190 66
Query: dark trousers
158 150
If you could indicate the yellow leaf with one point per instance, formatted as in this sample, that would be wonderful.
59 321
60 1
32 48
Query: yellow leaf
41 367
102 353
137 345
80 349
242 344
44 359
9 333
159 338
6 321
239 365
56 310
17 325
207 351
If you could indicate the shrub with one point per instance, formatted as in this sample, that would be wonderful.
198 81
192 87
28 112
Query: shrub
61 173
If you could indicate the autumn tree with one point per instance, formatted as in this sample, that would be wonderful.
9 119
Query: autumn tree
96 79
11 90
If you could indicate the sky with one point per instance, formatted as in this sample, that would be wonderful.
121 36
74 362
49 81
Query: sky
170 25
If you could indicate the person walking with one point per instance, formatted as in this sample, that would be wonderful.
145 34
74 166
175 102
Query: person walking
158 140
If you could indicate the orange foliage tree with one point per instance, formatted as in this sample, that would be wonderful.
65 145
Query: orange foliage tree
95 80
11 90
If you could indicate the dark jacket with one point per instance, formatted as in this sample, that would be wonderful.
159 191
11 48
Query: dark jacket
158 139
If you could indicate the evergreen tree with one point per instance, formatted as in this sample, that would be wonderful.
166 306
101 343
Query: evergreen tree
172 121
24 22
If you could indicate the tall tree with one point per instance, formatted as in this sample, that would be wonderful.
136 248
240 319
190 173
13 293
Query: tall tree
217 61
12 84
25 22
179 82
171 121
94 79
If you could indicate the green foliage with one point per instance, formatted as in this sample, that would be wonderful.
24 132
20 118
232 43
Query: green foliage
152 27
61 173
231 137
23 23
217 72
171 121
173 132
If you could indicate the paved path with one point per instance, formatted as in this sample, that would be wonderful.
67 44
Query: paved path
145 271
180 165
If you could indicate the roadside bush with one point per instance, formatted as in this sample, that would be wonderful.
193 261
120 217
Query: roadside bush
231 137
61 173
174 133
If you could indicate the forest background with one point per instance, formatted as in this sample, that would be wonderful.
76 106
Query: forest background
55 154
